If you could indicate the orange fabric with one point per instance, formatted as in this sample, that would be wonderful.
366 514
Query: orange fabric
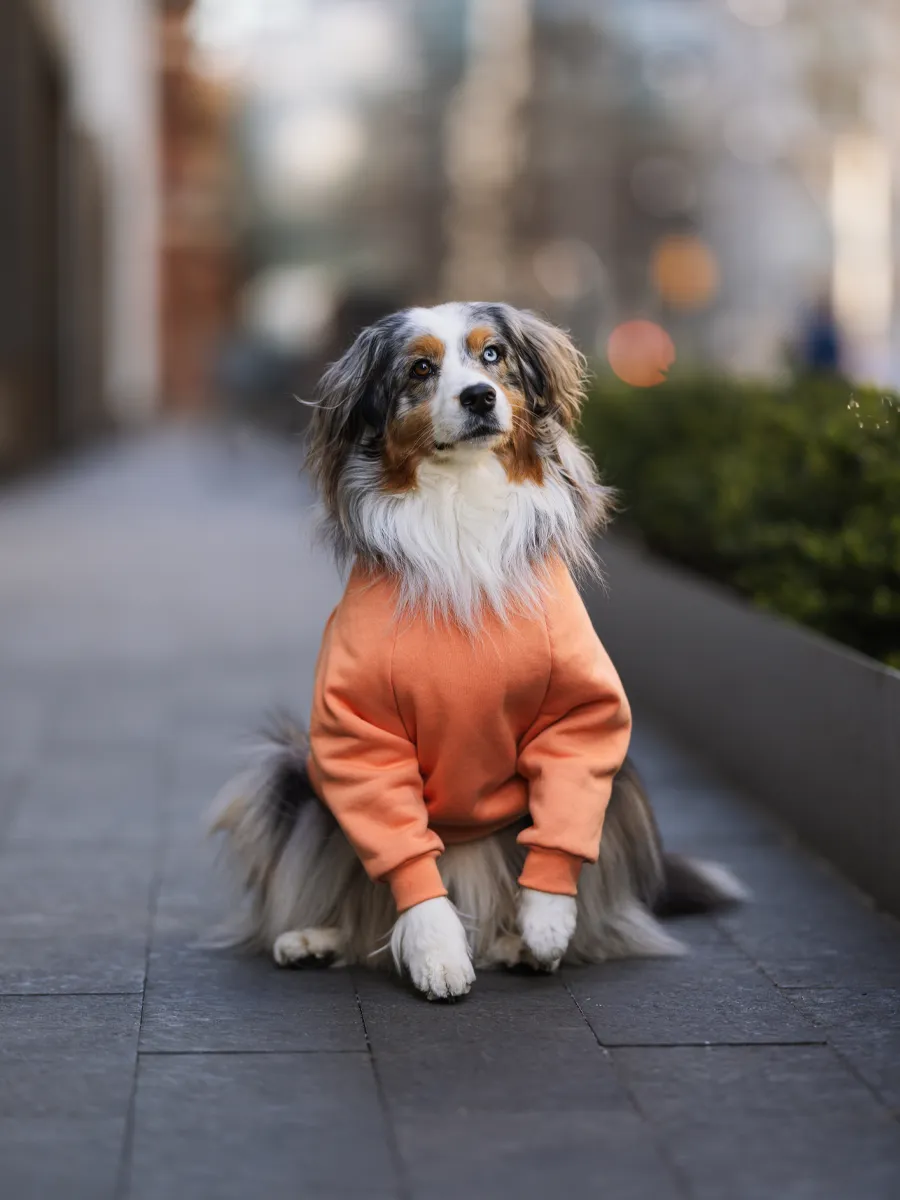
426 734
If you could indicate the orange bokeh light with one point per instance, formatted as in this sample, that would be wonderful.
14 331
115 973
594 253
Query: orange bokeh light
640 352
684 271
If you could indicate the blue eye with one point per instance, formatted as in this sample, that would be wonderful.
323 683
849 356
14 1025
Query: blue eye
490 354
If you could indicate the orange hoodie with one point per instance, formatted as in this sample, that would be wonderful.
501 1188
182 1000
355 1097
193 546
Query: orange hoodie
424 734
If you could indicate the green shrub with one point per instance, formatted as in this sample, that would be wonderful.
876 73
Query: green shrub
789 494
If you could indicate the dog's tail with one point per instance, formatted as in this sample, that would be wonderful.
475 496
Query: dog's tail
263 803
693 885
259 810
670 885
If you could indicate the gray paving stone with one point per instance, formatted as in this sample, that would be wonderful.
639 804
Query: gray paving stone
89 794
12 785
650 741
74 917
42 1158
806 926
661 771
72 962
212 748
690 817
702 999
193 782
531 1155
211 1000
783 874
103 713
197 894
698 932
47 887
568 1073
756 1121
24 707
67 1056
502 1009
231 699
228 1127
663 762
863 1025
826 943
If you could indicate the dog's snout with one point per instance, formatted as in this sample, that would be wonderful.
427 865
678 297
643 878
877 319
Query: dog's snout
478 398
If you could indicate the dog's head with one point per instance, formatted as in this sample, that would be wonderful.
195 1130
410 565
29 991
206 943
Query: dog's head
456 380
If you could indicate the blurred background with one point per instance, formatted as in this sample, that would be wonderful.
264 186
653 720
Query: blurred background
202 202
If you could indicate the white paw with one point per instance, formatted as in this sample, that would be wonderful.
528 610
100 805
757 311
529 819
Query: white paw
547 922
298 944
429 943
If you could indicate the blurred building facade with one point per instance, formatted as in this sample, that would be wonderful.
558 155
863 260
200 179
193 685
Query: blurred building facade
197 260
225 190
715 166
77 220
31 126
718 166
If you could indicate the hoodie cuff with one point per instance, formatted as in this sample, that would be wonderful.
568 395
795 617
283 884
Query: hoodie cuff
415 881
551 871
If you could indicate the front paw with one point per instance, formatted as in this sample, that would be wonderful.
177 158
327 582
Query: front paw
546 922
429 943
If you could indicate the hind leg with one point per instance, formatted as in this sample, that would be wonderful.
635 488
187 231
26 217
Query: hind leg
298 945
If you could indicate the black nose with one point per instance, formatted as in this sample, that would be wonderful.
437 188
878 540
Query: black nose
478 398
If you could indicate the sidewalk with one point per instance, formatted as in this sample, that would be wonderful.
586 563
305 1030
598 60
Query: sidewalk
155 599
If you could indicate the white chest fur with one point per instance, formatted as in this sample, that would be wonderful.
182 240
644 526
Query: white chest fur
466 536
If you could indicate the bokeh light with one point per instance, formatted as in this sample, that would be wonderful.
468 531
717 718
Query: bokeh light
312 151
684 271
567 269
640 352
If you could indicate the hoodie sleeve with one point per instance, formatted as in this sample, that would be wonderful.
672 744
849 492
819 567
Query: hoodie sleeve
362 763
574 749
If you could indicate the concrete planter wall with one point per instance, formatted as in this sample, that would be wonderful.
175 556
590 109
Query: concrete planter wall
810 728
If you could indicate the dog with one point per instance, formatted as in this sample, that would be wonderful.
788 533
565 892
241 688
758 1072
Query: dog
463 797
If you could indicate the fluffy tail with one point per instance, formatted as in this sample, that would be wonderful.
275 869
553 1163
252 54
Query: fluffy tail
259 810
266 800
691 885
296 868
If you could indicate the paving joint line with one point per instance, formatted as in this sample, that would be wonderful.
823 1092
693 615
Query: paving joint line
240 1053
893 1113
404 1191
124 1168
709 1045
678 1175
123 1174
63 995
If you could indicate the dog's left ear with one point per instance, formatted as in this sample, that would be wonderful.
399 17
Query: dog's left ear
553 369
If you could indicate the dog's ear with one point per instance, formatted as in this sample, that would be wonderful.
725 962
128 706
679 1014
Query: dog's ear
353 399
553 369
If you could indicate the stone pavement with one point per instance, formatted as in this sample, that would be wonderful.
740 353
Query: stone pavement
155 598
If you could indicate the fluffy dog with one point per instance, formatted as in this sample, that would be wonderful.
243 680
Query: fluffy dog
468 738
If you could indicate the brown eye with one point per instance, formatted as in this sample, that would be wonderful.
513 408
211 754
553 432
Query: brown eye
422 368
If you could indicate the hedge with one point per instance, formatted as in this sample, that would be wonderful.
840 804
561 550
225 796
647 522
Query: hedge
789 494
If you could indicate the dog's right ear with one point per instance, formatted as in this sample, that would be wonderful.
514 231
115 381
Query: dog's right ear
353 401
